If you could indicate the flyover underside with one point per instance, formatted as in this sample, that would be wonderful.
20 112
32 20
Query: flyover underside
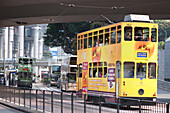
26 12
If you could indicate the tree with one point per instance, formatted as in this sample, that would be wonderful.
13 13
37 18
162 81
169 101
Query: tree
163 29
47 54
64 34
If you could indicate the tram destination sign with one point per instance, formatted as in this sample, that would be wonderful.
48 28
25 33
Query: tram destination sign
142 54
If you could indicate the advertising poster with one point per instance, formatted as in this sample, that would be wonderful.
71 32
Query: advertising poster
111 78
85 79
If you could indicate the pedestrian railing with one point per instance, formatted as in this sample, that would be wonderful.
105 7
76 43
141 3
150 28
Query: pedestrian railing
64 102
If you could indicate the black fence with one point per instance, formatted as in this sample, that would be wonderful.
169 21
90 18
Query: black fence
63 102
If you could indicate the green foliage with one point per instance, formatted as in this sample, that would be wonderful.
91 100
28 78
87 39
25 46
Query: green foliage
65 34
163 29
161 45
47 54
163 32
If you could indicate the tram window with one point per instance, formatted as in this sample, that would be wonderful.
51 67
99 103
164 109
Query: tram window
95 33
101 40
85 36
129 69
95 43
113 38
153 36
101 64
20 61
141 70
95 72
105 63
118 36
81 43
113 28
80 70
100 74
78 44
90 42
25 61
90 64
119 27
85 43
105 72
106 30
101 31
94 64
90 34
141 34
90 72
107 39
30 61
152 71
72 69
128 33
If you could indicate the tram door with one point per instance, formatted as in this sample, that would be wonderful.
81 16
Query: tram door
79 77
118 77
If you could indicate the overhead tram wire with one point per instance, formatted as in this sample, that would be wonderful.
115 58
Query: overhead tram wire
95 7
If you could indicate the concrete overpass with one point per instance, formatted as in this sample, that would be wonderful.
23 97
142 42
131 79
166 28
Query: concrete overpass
25 12
38 62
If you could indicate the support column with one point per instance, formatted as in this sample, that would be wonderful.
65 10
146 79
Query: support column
5 41
21 40
11 41
36 37
31 49
1 43
40 48
5 49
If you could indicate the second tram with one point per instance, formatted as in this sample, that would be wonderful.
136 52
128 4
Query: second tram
25 72
68 73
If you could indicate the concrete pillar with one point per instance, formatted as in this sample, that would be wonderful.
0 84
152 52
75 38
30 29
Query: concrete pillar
10 41
5 40
21 40
40 48
35 31
1 43
31 49
28 49
36 37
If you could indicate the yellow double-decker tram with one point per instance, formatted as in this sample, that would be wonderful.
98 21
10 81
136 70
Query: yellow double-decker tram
119 59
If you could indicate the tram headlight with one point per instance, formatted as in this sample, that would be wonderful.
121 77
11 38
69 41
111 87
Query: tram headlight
141 91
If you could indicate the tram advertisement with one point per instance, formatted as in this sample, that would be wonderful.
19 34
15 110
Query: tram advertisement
85 79
111 78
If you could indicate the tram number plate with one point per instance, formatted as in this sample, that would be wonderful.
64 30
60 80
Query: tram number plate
142 54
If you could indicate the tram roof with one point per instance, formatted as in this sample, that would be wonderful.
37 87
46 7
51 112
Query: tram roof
103 27
26 12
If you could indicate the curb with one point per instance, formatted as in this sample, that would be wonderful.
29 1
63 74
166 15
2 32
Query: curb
19 108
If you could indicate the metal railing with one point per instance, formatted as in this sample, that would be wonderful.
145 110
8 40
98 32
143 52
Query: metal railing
63 102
